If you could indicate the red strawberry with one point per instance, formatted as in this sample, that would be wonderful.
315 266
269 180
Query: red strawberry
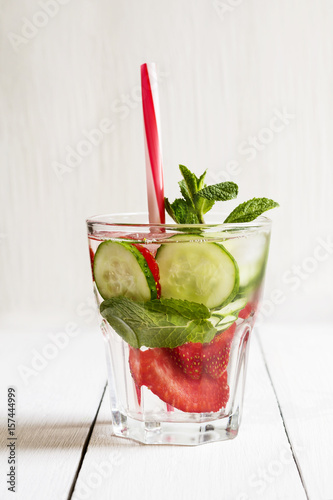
215 355
188 358
247 311
156 369
135 366
92 256
153 266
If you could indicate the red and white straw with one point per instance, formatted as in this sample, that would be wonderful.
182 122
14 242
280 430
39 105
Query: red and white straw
153 146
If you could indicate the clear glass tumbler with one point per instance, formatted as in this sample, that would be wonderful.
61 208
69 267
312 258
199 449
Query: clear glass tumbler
178 305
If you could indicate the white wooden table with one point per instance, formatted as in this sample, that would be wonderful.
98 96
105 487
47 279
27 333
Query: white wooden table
65 449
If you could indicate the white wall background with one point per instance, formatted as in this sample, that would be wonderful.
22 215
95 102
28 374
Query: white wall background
225 68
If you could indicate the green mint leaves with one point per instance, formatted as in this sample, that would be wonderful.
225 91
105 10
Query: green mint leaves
219 192
158 323
250 210
198 198
181 211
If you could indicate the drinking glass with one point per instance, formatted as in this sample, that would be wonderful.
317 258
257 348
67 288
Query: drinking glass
178 346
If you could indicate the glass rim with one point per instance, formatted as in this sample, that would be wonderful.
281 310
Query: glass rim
104 219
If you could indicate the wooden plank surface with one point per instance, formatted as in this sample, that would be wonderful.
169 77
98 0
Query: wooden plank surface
55 407
257 464
299 360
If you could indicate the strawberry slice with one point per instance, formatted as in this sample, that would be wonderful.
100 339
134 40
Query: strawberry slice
156 369
92 256
188 358
215 355
247 311
153 266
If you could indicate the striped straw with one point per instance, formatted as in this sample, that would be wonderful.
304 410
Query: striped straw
153 146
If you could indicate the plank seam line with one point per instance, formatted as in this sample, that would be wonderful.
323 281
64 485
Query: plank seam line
282 417
85 446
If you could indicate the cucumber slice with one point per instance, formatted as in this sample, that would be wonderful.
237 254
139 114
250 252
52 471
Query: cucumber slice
197 271
121 270
222 323
228 314
232 308
251 255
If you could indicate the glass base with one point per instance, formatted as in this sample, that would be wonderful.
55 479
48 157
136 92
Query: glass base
140 415
176 433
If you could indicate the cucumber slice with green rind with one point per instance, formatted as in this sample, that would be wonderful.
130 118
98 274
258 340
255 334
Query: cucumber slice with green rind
232 308
251 255
121 270
222 323
197 271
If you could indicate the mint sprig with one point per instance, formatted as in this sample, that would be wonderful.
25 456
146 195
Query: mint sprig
198 198
158 323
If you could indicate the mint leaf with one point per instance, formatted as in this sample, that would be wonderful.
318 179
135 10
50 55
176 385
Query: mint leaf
190 310
203 206
158 323
185 193
193 183
250 210
219 192
206 197
189 188
200 181
190 180
181 212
